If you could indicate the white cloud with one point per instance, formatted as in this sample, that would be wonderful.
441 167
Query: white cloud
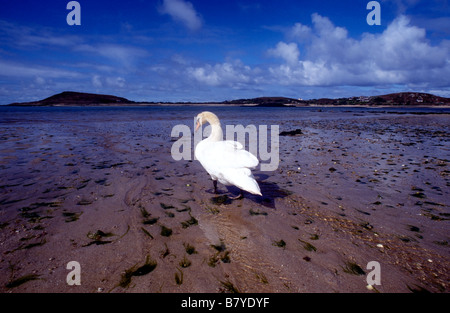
399 55
182 11
116 81
287 51
18 70
232 74
126 55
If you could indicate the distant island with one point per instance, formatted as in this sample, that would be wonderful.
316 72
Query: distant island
71 98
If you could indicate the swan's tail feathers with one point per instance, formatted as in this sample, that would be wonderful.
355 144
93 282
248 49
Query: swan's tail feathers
243 178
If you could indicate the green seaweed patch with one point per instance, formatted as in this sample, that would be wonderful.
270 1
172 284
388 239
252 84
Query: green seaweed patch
145 269
21 280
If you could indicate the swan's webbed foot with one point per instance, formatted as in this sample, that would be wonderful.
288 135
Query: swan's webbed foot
215 186
239 196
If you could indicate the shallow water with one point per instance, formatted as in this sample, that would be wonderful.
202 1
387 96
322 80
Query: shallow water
357 185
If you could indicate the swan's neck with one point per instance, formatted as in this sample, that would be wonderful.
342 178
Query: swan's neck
216 129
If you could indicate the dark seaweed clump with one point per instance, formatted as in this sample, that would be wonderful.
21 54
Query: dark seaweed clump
353 268
21 280
148 267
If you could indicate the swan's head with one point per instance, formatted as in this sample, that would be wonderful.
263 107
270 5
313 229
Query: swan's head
204 117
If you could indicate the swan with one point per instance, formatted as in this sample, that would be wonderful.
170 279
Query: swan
225 161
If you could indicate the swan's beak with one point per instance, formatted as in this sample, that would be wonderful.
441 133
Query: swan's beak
197 125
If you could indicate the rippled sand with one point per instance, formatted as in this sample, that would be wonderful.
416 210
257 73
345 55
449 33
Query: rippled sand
105 192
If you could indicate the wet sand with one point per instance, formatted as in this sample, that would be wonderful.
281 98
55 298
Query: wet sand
353 187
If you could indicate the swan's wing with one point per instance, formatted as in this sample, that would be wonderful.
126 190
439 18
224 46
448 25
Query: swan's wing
231 154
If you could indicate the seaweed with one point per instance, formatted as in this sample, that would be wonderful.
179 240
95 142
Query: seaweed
419 194
97 238
281 243
225 258
71 216
165 231
36 244
21 280
179 278
165 206
223 199
229 287
307 246
151 221
190 222
144 212
185 262
84 202
148 267
413 228
212 210
220 247
258 212
170 214
165 252
189 249
353 268
262 278
146 232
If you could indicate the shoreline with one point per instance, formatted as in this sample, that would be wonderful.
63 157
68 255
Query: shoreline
255 105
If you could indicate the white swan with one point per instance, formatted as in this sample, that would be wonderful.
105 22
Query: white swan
225 161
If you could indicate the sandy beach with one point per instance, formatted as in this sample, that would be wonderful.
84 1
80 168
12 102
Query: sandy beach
102 189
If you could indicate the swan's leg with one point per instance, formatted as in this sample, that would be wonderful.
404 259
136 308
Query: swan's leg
240 196
215 186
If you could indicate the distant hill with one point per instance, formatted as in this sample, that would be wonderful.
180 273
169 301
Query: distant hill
393 99
266 102
71 98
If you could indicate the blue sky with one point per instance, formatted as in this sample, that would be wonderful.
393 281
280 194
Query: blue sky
179 50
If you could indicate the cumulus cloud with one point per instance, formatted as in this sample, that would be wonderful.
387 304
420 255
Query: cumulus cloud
231 74
287 51
401 54
182 11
